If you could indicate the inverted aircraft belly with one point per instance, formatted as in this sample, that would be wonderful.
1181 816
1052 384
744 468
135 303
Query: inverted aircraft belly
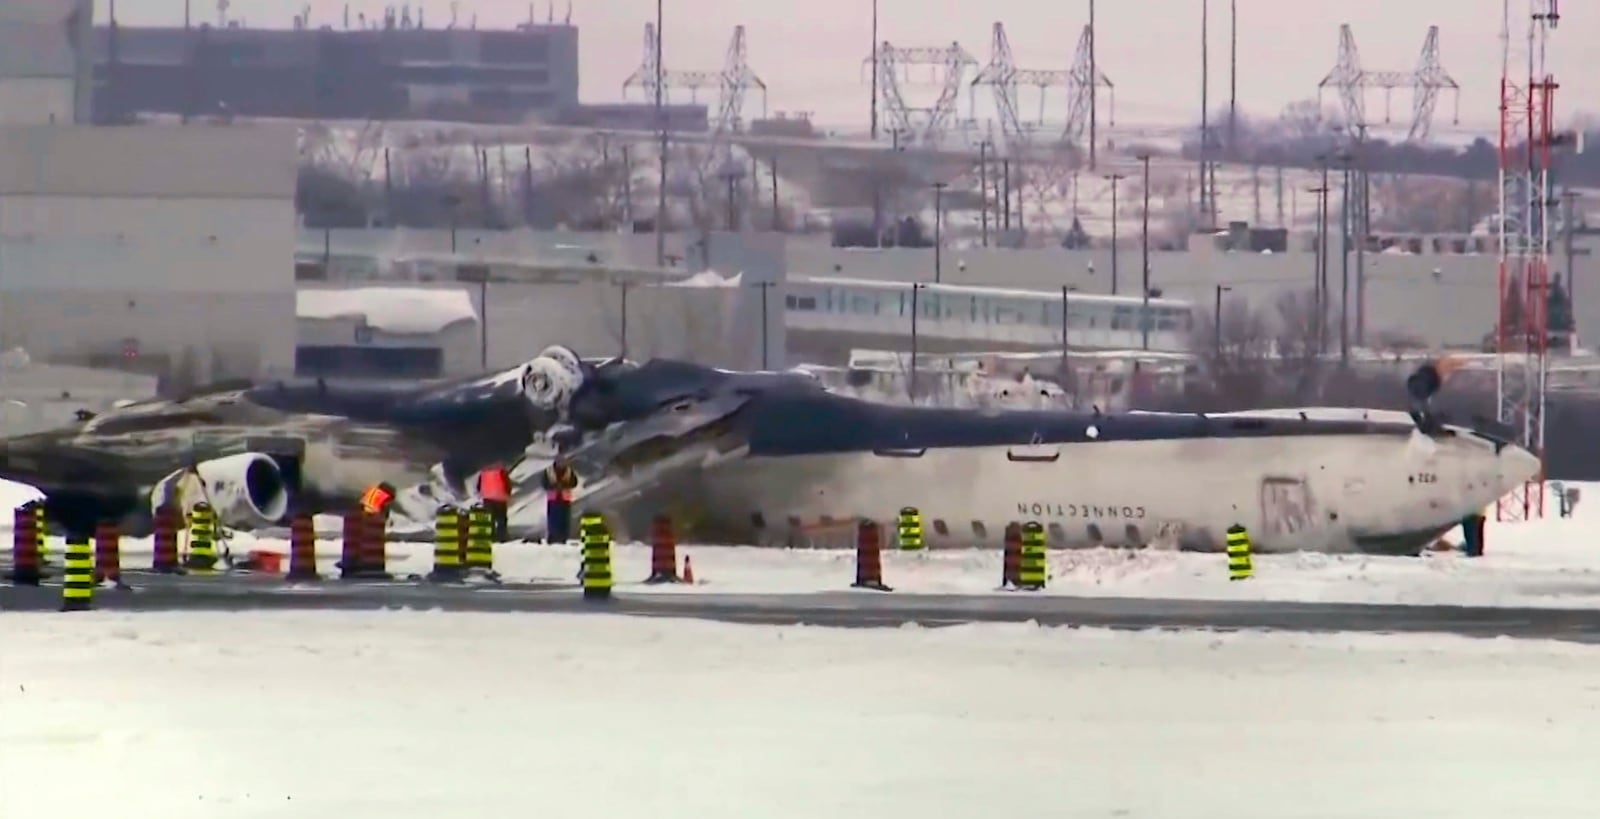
1300 492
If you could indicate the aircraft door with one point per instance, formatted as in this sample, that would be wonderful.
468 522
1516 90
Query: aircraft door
1288 506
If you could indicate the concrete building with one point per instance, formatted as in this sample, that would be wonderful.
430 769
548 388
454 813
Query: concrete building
382 70
165 250
44 78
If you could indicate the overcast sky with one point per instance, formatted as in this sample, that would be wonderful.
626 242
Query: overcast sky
810 53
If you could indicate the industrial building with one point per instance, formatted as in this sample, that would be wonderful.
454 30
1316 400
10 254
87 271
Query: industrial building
43 78
395 69
166 250
386 332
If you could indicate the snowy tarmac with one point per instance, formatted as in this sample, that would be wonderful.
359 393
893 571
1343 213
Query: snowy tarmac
858 609
421 715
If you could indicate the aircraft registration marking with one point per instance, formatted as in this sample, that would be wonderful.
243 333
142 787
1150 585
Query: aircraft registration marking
1080 510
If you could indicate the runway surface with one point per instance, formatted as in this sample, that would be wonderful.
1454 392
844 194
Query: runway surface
853 608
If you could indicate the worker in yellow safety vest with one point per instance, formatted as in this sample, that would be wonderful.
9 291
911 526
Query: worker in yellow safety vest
559 480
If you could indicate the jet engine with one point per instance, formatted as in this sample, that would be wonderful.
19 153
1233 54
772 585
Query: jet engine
549 381
246 490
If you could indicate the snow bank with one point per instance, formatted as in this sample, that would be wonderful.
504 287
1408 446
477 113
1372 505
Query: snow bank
476 715
708 278
406 310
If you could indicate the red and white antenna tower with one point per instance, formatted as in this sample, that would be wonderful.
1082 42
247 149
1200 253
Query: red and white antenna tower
1527 92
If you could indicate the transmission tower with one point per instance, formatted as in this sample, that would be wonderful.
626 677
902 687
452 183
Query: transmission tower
734 82
1003 77
1085 77
1527 91
946 67
1425 82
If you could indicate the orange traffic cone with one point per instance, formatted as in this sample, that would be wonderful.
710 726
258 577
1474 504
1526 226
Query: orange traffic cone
688 570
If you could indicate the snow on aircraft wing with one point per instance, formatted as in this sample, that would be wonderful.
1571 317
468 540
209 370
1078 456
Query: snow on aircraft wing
629 456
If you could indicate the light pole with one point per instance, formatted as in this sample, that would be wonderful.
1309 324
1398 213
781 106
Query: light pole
764 328
624 339
1322 258
938 231
1569 212
661 122
453 201
1144 242
1216 322
911 377
1066 345
1316 258
1344 260
983 187
1114 178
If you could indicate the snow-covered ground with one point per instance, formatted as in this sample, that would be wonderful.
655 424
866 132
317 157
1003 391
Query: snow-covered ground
426 714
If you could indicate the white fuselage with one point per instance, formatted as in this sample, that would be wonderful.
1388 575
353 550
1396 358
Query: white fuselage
1379 492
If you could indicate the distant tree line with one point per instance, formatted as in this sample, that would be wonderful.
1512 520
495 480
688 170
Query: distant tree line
1305 131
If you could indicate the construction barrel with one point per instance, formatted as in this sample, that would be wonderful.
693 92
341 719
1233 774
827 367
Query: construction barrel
447 555
480 541
1031 569
27 558
1240 566
164 540
596 537
77 588
202 538
909 530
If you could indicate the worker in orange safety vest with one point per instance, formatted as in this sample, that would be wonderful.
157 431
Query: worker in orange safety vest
376 500
559 480
494 487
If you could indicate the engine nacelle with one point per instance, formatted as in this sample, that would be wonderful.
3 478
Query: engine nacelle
548 382
246 490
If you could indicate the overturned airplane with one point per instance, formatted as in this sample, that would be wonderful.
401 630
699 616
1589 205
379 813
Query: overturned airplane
768 457
774 458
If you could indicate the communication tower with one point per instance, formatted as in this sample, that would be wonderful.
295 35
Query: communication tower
1527 132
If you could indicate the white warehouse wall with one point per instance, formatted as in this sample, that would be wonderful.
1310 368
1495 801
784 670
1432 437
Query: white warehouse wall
36 100
44 76
176 242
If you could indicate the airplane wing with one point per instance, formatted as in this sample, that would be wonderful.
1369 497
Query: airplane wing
630 457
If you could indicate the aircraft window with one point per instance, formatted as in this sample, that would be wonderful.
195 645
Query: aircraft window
1058 535
800 302
979 531
1095 535
1135 537
938 526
